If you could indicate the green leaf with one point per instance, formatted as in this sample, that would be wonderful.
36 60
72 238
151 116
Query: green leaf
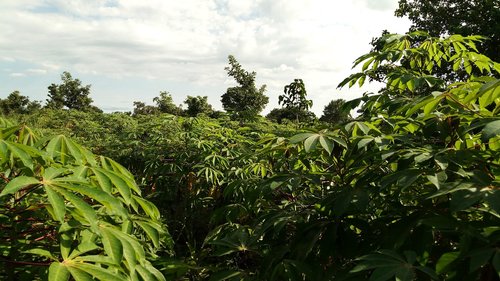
326 144
149 208
301 137
57 203
18 183
58 272
65 241
311 142
445 261
491 130
340 141
112 245
79 275
123 184
20 151
144 273
429 107
102 274
81 206
41 252
364 142
151 231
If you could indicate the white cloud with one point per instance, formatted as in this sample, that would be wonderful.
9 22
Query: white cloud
186 43
17 74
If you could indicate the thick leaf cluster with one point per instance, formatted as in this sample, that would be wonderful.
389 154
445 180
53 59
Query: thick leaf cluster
75 214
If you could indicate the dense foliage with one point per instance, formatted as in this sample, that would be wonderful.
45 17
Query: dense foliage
407 190
66 213
445 17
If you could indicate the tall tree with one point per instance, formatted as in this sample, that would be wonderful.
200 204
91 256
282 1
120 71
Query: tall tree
245 101
70 94
294 99
333 112
197 105
443 17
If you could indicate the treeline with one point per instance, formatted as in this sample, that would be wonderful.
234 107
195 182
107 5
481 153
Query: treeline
243 102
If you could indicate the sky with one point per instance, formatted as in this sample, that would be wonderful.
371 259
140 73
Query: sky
130 50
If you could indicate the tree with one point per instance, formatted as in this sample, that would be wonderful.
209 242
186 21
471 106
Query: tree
245 101
333 112
140 108
197 105
295 100
70 94
279 115
444 17
17 103
166 104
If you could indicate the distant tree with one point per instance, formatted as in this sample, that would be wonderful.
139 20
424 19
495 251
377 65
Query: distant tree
243 102
197 105
140 108
166 104
70 94
333 113
294 99
280 115
17 103
465 17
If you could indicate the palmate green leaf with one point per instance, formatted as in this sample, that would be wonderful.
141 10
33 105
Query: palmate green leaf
111 165
57 203
19 151
311 142
151 230
65 241
58 272
98 259
129 254
17 184
326 143
157 274
80 205
112 204
41 252
339 141
301 137
79 275
8 132
104 181
129 245
112 245
102 274
83 248
123 184
62 148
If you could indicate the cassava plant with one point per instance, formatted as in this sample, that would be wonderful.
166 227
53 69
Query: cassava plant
67 214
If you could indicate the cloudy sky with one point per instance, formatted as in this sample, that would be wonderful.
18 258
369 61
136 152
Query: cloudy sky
130 50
